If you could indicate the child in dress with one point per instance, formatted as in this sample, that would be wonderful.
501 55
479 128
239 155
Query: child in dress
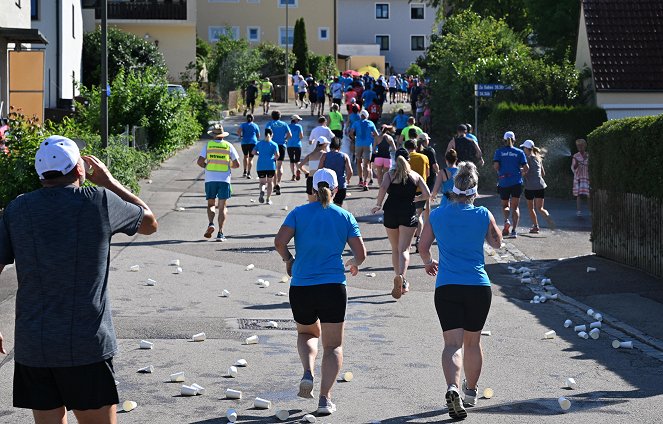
580 168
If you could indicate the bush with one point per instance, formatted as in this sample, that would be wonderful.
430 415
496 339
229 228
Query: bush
626 156
553 129
414 70
300 48
204 111
322 66
273 57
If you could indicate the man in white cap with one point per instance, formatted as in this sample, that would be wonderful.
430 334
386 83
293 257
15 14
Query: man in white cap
511 164
59 236
218 157
363 132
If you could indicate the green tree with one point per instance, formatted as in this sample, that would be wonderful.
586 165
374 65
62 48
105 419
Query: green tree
300 48
415 70
514 12
273 57
322 66
125 51
225 47
555 26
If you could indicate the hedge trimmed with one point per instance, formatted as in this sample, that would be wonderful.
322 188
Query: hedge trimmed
553 129
626 156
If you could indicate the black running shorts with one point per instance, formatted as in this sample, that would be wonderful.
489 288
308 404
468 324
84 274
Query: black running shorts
512 191
247 149
266 174
395 219
80 388
295 154
341 193
535 194
324 302
461 306
281 153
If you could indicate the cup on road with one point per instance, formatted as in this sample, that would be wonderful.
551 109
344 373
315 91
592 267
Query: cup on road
231 415
146 370
151 282
232 371
526 280
596 324
264 284
486 333
251 340
582 327
622 345
233 394
177 377
584 335
272 324
285 279
598 317
281 294
282 414
135 268
590 312
199 388
543 299
347 376
488 393
571 383
310 418
199 337
549 334
249 267
564 403
188 390
591 269
568 323
175 262
371 275
225 293
595 333
261 403
179 270
129 405
554 296
144 344
241 363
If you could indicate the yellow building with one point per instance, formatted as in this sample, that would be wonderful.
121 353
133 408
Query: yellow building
171 25
264 21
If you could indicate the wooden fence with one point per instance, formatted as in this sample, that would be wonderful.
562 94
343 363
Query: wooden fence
628 228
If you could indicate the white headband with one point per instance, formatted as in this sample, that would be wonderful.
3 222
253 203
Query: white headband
469 192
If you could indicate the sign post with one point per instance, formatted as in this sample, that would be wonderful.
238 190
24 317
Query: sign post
485 90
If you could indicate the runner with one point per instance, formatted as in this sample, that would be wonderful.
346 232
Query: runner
312 93
580 168
400 217
535 186
446 180
393 88
467 149
337 92
321 94
339 163
336 122
267 91
280 134
383 147
268 153
363 133
302 88
59 238
419 164
350 99
321 130
294 146
470 135
249 132
462 288
318 296
251 95
406 131
510 164
295 86
400 122
312 161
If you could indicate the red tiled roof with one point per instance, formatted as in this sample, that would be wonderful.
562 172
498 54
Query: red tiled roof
625 43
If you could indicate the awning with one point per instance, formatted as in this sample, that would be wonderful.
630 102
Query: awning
23 35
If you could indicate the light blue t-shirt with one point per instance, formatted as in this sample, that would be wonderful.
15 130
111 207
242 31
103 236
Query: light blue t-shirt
352 118
320 238
510 160
296 140
266 151
400 120
250 132
472 137
460 230
448 185
364 133
368 97
279 131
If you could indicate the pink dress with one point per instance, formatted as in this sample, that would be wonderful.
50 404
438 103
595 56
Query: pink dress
581 175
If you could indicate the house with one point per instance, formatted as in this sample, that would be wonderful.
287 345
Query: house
21 61
621 43
400 28
61 22
170 24
265 21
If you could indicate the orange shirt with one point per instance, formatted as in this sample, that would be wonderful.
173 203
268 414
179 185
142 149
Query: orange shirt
419 164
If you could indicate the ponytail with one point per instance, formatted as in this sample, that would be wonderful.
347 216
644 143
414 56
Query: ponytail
537 152
324 194
402 171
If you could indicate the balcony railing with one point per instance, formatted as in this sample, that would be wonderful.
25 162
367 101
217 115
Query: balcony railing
145 9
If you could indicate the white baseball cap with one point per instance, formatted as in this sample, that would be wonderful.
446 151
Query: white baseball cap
509 135
323 140
325 175
364 113
528 143
56 153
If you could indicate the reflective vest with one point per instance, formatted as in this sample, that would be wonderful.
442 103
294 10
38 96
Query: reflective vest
266 87
218 156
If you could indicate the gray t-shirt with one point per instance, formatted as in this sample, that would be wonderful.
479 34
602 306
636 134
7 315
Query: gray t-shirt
533 178
60 238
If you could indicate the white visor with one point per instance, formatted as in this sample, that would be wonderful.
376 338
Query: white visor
469 192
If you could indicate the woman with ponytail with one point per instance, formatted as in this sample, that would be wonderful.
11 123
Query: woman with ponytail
400 215
318 297
535 186
462 289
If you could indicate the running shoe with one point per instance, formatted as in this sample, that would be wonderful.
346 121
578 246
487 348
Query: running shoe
261 199
277 190
305 388
365 187
361 182
416 244
209 231
406 286
325 406
513 234
293 178
370 182
454 404
269 202
299 175
534 230
220 237
248 176
471 397
397 291
244 174
507 226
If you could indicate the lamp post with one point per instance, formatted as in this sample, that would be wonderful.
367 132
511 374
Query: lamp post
104 73
287 34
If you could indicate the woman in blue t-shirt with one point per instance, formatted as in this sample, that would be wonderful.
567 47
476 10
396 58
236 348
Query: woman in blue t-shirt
446 181
268 152
249 132
462 288
318 297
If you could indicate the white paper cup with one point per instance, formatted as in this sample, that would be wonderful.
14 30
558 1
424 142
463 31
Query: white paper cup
175 262
568 323
564 403
285 279
285 208
177 377
615 344
488 393
147 370
249 267
583 334
571 383
549 334
536 298
546 281
272 324
233 394
582 327
591 269
371 274
241 363
598 317
199 388
595 333
129 405
543 299
180 209
231 415
144 344
310 418
281 294
260 281
251 340
261 403
526 280
232 371
622 345
151 282
282 414
553 296
526 274
225 293
264 284
596 324
179 270
590 311
188 390
134 268
486 333
199 337
347 376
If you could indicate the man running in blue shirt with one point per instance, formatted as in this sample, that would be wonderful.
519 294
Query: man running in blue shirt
510 164
281 133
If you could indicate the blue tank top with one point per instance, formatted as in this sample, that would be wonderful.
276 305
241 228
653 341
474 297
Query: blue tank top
448 185
336 162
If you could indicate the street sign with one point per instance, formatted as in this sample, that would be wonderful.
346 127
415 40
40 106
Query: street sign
493 87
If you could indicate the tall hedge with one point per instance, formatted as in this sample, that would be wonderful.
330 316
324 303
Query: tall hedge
554 129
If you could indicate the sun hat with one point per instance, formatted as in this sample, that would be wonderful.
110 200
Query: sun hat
528 143
363 113
424 136
217 131
327 176
296 117
509 135
56 153
323 140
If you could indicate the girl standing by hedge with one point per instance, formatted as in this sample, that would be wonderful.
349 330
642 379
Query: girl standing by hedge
580 168
535 186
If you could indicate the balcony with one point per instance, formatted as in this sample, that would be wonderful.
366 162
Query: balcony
145 10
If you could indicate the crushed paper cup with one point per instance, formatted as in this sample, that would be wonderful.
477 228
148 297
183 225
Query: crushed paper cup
174 262
488 393
231 415
526 274
260 281
285 208
583 335
347 376
225 293
281 294
249 267
545 281
571 383
371 274
177 377
543 299
568 323
309 418
553 296
595 333
129 405
180 209
582 327
526 280
512 269
622 345
241 363
272 324
591 269
134 268
144 344
232 372
596 324
146 370
549 334
178 270
564 403
282 414
253 200
188 390
151 282
261 403
199 337
598 317
264 284
486 333
117 382
590 312
251 340
199 388
233 394
149 181
285 279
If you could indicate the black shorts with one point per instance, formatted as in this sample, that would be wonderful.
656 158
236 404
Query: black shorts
337 101
80 388
281 153
535 194
301 96
341 193
247 149
460 306
392 90
309 185
266 174
295 154
395 219
250 103
511 191
324 302
420 205
266 97
313 98
338 134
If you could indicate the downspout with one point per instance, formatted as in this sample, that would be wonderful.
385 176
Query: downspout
58 19
335 32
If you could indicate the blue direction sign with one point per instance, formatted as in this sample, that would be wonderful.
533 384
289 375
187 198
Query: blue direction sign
486 93
493 87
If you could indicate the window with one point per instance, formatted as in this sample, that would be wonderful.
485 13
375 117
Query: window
416 11
382 11
215 32
417 42
323 33
253 33
291 34
34 10
289 3
382 41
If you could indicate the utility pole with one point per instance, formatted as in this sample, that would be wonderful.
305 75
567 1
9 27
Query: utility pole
287 35
104 73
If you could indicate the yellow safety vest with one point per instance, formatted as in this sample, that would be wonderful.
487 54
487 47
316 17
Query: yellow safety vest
218 156
266 87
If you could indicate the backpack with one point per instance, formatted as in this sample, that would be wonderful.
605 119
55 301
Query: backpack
466 150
